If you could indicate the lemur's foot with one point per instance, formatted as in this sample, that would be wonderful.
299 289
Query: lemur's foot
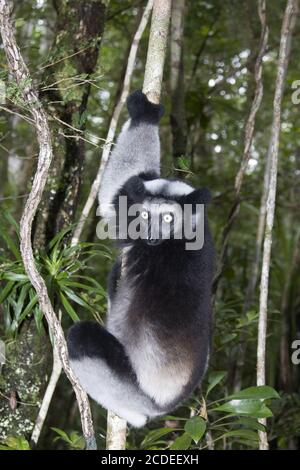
141 109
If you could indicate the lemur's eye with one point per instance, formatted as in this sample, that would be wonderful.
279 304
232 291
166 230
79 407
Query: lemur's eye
144 215
168 218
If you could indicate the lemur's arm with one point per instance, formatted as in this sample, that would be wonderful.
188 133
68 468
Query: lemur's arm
137 149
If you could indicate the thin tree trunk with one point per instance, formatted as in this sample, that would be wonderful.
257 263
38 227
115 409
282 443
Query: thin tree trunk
116 427
285 39
51 386
20 73
157 50
237 381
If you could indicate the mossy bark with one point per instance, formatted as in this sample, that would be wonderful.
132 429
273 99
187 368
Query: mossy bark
22 382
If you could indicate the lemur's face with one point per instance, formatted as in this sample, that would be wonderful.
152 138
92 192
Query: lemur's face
161 210
161 220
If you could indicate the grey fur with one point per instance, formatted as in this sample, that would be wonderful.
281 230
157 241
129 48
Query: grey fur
137 151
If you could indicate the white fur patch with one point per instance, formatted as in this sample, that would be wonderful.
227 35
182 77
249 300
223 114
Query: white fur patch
155 186
108 390
159 378
171 188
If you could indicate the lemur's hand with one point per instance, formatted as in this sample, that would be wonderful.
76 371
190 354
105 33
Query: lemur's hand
141 109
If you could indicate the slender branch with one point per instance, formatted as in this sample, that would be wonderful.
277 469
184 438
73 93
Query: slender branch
254 273
249 133
21 74
157 49
285 40
43 411
113 123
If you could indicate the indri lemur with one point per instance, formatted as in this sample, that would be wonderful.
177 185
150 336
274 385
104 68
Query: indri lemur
155 347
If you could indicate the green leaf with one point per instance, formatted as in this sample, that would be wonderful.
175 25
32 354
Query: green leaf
214 378
78 300
59 237
195 427
244 433
11 276
262 392
17 443
69 307
28 308
182 442
6 291
10 243
254 408
154 435
21 299
251 423
62 434
19 22
10 219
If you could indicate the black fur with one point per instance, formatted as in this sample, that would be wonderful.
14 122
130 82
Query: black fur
142 110
89 339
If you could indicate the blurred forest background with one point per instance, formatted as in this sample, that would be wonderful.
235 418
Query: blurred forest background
79 75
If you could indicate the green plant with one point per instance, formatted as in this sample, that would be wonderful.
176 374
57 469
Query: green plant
61 265
15 443
74 440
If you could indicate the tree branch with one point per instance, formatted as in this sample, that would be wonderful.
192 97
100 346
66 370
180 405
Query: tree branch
21 74
157 49
285 40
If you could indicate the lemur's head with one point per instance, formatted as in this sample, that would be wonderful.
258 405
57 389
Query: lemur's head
159 209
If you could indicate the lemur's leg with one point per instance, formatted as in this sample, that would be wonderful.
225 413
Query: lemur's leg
137 149
104 371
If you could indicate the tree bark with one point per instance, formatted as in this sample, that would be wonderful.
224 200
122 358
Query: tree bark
157 49
285 39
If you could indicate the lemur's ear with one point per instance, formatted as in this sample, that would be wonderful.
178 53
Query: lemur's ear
141 109
199 196
134 188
